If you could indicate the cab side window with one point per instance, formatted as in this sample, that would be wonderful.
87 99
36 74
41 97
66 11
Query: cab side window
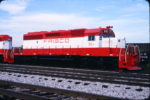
91 38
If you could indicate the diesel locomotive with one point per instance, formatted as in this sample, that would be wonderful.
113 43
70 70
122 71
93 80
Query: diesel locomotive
98 45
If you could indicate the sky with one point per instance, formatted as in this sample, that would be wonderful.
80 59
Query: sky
129 18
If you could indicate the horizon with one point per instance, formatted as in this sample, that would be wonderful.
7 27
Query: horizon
129 18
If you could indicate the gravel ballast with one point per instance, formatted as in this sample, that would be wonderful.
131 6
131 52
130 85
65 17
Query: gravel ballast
99 88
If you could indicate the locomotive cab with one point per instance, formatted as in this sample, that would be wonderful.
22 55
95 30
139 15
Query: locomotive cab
107 39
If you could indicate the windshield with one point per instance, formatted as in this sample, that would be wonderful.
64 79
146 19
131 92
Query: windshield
107 33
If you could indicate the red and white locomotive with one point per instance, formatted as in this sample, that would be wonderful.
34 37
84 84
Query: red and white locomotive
5 48
99 45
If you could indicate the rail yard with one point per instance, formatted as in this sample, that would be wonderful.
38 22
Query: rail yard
44 83
74 50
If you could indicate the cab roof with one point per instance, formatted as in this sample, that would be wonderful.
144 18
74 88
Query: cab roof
5 37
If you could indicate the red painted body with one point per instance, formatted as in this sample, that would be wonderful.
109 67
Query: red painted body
74 51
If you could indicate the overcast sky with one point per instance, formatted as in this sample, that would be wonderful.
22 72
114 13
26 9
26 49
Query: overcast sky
129 18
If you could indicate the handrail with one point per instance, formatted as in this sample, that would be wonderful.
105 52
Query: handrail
135 50
125 56
120 54
126 53
139 52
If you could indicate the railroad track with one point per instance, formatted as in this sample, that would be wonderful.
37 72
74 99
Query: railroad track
77 82
32 92
134 79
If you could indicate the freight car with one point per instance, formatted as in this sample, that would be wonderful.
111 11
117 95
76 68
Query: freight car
85 46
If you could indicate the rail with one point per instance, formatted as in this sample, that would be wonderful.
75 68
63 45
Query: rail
30 96
63 77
